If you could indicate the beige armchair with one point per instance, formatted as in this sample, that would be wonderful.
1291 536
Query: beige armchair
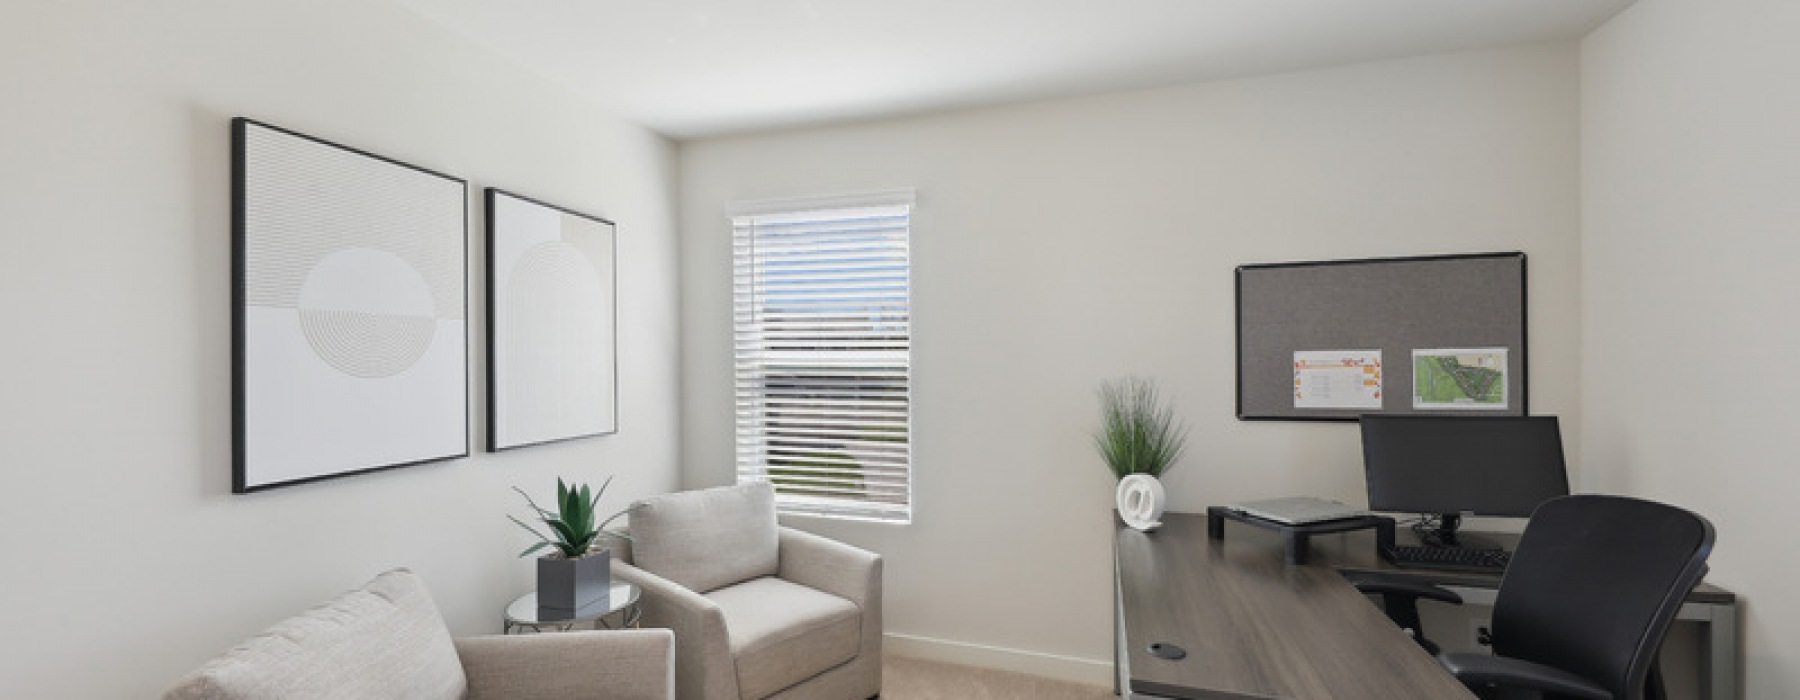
758 610
386 640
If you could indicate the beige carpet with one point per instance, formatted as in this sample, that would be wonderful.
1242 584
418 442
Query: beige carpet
914 679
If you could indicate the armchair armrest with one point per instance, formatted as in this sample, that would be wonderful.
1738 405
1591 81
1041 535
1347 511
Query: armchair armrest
614 665
842 570
1481 669
831 566
703 660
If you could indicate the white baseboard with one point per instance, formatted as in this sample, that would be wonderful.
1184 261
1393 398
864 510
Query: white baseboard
1062 668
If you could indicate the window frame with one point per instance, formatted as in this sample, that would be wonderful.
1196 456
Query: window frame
849 293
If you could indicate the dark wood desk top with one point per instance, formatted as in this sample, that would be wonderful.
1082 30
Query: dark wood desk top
1256 627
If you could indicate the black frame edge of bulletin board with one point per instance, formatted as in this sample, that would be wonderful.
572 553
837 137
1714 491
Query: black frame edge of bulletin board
1380 309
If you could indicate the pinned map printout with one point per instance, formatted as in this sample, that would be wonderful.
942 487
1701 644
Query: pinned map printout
1337 379
1460 379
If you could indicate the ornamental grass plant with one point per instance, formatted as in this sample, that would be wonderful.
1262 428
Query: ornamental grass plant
1138 433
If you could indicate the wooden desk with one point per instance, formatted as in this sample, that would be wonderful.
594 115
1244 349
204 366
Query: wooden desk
1256 627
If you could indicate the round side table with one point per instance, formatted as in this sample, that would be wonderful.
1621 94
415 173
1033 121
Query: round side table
621 600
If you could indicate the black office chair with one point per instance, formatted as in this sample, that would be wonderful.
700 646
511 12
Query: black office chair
1588 597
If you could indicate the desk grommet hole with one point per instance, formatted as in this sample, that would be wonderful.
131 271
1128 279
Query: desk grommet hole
1164 650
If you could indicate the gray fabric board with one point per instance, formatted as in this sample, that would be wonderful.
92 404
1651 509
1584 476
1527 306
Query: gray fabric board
1395 305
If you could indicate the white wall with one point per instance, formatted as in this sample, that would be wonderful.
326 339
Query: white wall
127 562
1062 243
1691 191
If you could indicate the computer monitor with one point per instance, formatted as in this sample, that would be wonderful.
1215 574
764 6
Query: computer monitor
1452 466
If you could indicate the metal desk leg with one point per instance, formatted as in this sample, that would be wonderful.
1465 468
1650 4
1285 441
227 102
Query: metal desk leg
1720 671
1121 660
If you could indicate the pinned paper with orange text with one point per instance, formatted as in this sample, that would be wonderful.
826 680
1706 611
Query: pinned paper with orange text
1348 379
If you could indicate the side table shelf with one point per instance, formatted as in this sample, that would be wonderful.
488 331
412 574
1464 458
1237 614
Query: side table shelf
1295 538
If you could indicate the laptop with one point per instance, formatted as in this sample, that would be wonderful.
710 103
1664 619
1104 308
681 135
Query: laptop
1297 510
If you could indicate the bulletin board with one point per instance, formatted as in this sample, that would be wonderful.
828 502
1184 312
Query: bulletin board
1335 339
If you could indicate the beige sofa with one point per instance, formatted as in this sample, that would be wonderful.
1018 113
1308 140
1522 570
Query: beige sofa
386 640
759 611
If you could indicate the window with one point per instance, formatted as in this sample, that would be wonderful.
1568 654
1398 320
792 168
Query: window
821 308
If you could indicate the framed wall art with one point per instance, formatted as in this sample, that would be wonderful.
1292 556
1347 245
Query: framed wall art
349 311
552 329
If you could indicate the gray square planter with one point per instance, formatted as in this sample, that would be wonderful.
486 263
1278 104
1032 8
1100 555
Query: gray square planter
569 585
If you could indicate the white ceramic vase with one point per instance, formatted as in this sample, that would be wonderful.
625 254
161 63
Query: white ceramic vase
1141 500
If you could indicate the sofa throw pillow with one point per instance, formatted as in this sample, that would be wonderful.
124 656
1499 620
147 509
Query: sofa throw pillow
707 539
384 640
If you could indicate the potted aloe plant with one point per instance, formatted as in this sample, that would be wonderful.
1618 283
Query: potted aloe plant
573 575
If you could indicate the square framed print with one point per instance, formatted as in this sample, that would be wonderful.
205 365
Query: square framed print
349 310
552 323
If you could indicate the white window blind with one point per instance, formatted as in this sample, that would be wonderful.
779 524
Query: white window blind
821 308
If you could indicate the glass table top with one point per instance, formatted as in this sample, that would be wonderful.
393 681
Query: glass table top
525 610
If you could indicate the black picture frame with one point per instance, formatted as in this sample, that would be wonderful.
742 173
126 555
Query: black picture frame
552 325
349 310
1396 305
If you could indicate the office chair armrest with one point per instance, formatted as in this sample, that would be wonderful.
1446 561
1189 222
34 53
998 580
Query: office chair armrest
1481 669
1376 582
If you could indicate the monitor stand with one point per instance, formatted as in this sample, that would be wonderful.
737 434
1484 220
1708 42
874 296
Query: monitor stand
1448 534
1445 534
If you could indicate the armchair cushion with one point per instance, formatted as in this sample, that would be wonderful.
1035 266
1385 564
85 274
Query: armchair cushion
783 633
705 540
384 640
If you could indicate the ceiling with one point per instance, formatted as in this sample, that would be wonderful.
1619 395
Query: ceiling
696 68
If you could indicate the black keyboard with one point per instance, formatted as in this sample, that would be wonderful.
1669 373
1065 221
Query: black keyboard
1491 561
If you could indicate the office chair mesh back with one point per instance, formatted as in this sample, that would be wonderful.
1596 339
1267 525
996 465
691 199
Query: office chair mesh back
1595 583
